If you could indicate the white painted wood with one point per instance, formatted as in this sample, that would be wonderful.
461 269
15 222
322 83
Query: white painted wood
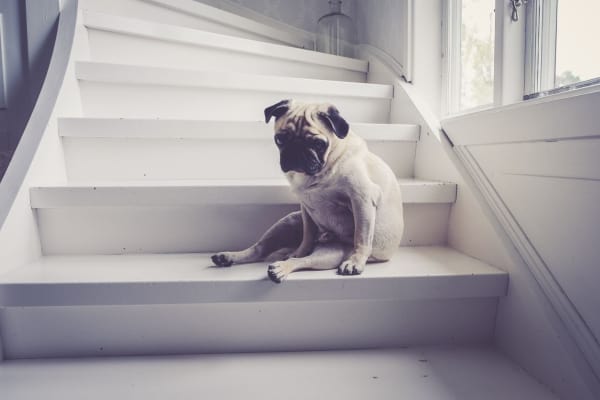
478 229
198 216
499 157
53 332
563 116
549 210
420 373
176 304
193 14
575 377
187 193
509 55
211 129
131 41
415 273
133 149
570 159
38 156
200 228
110 90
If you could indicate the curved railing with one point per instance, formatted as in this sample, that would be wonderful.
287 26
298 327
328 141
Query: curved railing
42 111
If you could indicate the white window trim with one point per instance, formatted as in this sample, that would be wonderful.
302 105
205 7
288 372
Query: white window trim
451 66
540 66
509 57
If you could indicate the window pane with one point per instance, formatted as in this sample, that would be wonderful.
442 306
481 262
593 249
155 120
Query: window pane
477 53
577 41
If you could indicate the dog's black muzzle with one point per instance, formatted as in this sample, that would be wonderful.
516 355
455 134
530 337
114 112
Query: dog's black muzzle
295 157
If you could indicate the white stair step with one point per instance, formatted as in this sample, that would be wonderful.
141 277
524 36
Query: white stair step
156 304
415 273
420 373
193 14
114 90
116 39
150 149
212 191
198 216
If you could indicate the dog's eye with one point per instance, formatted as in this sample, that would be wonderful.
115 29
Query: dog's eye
280 139
319 145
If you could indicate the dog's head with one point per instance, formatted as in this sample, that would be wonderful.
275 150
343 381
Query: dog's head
305 134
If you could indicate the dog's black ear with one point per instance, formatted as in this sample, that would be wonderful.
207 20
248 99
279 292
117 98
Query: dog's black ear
277 110
335 122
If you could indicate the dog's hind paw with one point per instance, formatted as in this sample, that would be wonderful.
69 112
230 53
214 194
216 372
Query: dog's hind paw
222 260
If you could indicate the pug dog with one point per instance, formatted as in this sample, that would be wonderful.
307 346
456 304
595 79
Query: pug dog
350 201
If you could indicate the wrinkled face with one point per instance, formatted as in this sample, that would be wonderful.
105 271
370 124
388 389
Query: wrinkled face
304 134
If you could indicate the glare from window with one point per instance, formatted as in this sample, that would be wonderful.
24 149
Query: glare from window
577 41
477 53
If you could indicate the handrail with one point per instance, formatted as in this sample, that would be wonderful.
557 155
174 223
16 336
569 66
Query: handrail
36 126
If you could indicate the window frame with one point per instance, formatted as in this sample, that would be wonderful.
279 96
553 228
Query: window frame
524 55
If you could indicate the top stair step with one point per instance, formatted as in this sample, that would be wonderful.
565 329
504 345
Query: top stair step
193 14
117 39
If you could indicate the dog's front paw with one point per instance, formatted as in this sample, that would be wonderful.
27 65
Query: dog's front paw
222 259
351 267
278 271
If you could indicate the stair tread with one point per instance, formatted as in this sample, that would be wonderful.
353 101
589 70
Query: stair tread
207 129
416 373
207 191
414 273
287 35
173 33
140 75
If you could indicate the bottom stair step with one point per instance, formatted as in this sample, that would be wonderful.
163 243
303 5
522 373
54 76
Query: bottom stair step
68 306
425 373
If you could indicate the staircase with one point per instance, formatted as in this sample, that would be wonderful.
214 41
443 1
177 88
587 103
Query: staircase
169 161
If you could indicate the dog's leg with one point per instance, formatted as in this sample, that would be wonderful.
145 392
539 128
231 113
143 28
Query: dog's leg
285 233
324 256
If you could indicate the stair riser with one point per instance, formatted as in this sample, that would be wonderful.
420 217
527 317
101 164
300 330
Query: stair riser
208 228
146 159
146 10
40 332
157 101
126 49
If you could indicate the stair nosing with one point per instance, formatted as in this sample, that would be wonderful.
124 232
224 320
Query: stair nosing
112 73
146 128
435 272
195 37
206 191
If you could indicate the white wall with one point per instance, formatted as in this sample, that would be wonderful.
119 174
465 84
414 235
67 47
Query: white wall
537 165
299 14
380 24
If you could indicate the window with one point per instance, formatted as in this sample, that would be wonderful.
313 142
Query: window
502 51
470 59
563 51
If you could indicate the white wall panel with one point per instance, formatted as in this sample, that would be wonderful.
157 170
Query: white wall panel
536 164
